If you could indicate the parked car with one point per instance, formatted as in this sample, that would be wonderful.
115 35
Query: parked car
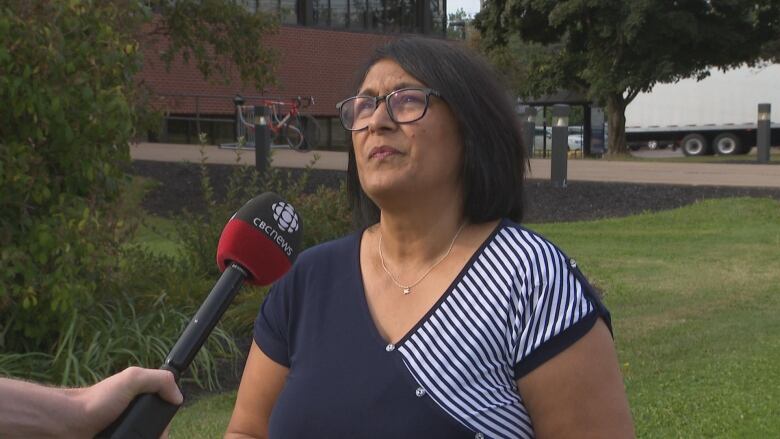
575 138
543 136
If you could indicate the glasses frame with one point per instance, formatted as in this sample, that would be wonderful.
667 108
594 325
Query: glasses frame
428 92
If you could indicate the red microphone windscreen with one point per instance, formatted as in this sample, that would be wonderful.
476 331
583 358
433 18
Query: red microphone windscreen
263 237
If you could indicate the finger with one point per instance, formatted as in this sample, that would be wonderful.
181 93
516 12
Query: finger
157 381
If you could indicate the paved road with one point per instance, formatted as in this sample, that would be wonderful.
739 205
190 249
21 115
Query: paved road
697 174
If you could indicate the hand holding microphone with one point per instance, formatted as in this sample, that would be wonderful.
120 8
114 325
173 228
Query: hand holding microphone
258 245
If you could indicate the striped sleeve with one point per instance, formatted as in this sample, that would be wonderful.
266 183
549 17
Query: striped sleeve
554 305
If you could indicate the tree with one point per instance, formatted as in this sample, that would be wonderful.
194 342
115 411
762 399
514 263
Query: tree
69 104
611 50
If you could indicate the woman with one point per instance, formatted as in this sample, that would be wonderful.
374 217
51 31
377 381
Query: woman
441 318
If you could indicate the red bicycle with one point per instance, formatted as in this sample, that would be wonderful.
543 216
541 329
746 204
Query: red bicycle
299 131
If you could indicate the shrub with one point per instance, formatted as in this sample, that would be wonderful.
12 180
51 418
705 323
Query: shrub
120 333
68 92
64 129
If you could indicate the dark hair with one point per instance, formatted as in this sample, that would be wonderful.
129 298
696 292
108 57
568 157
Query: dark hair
494 159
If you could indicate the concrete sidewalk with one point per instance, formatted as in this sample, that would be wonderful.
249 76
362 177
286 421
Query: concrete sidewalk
696 174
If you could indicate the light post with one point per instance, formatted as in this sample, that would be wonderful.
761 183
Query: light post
262 137
238 101
529 129
560 144
763 132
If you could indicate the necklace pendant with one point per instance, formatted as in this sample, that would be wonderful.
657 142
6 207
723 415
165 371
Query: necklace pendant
407 290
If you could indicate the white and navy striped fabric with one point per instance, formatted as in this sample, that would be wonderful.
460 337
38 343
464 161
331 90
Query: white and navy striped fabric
519 295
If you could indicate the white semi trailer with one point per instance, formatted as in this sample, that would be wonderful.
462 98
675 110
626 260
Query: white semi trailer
715 115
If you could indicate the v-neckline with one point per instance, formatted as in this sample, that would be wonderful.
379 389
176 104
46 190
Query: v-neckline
366 311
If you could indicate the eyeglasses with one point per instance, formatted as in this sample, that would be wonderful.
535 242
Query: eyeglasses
403 106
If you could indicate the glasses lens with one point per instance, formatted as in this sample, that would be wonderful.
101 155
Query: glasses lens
356 112
407 105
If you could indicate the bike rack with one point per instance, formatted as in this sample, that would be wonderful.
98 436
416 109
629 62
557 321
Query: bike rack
247 117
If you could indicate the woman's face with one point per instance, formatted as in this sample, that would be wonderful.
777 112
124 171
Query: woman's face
413 159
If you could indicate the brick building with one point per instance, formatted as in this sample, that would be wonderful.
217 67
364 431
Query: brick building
321 45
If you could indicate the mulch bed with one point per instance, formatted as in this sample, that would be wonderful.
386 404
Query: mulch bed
180 189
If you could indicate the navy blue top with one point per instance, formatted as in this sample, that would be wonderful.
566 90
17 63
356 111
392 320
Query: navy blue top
515 304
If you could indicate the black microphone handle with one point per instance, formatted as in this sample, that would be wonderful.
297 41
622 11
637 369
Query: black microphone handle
209 313
147 415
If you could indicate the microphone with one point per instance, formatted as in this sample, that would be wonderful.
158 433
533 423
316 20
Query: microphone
258 245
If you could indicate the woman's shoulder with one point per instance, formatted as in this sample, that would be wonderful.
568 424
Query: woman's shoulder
526 246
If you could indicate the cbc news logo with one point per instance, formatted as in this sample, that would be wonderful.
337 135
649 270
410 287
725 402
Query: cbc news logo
285 216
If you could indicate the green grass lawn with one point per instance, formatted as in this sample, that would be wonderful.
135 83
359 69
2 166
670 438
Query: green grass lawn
695 300
154 232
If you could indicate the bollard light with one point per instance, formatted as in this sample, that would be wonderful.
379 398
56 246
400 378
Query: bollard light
238 101
763 132
262 138
529 129
560 115
764 112
560 145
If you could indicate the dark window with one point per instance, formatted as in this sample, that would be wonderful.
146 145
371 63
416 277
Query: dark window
438 15
338 13
321 12
391 15
406 15
357 14
387 16
288 12
375 19
267 6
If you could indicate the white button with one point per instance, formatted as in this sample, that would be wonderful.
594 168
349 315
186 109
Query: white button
479 436
390 347
420 392
572 262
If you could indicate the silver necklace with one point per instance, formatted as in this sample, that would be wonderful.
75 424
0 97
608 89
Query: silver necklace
408 288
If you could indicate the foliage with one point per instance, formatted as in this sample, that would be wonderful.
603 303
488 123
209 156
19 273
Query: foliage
117 334
63 137
67 81
612 50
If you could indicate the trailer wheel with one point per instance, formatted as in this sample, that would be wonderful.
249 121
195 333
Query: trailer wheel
694 144
727 144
